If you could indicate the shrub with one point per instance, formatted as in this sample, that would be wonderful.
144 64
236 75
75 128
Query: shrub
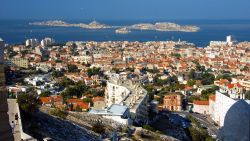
98 128
59 113
148 127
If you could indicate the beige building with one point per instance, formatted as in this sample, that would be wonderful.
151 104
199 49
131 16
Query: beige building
211 105
172 102
98 102
18 62
201 107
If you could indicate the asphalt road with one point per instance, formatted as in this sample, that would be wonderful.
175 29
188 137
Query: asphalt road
203 120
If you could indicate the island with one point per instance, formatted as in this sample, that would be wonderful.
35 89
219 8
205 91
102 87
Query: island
158 26
165 26
123 30
92 25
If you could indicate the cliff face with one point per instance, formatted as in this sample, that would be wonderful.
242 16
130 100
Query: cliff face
5 128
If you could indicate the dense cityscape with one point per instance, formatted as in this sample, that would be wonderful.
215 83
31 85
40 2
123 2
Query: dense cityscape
131 70
166 90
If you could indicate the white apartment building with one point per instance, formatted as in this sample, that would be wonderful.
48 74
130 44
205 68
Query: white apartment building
221 106
1 50
126 92
32 42
47 41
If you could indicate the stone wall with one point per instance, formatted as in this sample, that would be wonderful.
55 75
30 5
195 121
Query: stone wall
5 128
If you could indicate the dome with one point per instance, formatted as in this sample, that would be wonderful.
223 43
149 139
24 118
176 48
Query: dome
236 123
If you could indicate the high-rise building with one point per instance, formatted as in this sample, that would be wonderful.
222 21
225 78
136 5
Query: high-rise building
47 42
32 42
1 51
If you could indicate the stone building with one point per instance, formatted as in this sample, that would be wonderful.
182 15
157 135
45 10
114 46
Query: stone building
172 102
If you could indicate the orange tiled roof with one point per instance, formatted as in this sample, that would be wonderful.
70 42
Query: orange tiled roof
200 102
98 98
45 100
212 97
74 100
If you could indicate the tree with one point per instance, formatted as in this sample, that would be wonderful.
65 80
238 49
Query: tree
191 82
28 102
207 78
98 128
65 82
45 94
72 68
224 76
94 71
191 74
247 96
57 73
198 134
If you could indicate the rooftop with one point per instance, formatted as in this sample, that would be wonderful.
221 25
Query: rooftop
114 110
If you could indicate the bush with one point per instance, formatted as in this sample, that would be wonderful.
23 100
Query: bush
29 103
59 113
98 128
148 127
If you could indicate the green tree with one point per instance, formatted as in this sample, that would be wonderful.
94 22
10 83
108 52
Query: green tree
65 82
57 73
247 95
29 103
207 79
45 94
72 68
191 82
98 128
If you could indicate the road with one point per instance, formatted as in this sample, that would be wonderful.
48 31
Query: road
203 120
12 105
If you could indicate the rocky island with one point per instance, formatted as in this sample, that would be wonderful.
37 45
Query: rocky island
92 25
123 30
159 26
165 26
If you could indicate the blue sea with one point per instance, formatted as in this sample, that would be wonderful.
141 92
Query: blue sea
17 31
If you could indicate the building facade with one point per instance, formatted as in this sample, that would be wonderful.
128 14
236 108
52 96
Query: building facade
201 107
172 102
17 62
126 92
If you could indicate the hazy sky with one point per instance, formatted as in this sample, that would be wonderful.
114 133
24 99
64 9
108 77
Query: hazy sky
124 9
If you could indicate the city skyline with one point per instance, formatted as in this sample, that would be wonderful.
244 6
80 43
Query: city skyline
129 10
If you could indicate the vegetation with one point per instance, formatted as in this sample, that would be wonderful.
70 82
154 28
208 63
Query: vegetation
45 94
98 128
72 68
148 127
198 134
191 82
94 71
59 113
76 90
176 55
224 76
57 73
154 70
207 78
28 103
247 96
65 82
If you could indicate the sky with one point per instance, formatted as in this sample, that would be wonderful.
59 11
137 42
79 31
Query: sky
124 9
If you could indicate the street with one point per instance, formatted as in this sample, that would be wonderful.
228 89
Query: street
203 120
